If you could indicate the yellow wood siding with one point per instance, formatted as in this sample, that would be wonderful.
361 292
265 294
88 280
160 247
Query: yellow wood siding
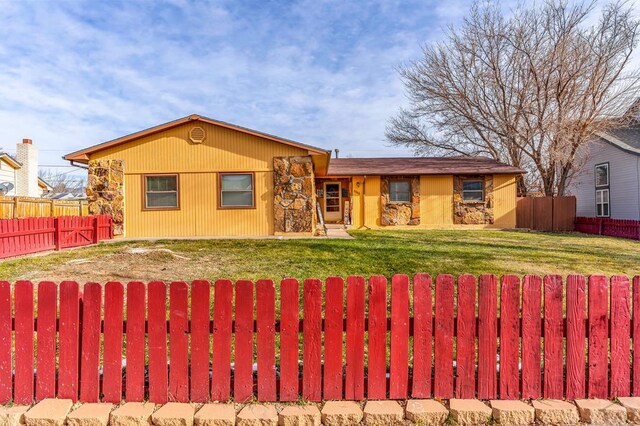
372 210
436 200
357 205
436 203
504 197
224 150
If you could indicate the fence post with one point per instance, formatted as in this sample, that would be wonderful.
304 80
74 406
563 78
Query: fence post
57 226
96 228
15 207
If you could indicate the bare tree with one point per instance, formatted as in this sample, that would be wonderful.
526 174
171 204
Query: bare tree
63 182
528 90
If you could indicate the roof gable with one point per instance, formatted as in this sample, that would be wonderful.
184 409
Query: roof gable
82 156
10 160
626 138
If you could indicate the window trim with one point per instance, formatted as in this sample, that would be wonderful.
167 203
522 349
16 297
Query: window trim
145 207
253 190
482 190
595 176
608 203
400 180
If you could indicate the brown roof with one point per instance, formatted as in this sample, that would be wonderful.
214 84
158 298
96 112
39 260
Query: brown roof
83 155
419 166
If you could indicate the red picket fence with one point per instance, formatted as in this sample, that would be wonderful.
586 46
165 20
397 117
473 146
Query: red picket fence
35 234
611 227
499 351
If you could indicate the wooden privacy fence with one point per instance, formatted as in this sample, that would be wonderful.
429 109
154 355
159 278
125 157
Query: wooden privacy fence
35 234
611 227
546 213
510 339
18 207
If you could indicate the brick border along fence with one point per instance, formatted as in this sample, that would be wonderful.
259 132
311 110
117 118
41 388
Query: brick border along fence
80 340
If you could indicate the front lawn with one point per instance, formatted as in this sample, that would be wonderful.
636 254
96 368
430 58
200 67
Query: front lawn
371 252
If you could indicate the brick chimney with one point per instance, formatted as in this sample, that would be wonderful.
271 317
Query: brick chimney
27 175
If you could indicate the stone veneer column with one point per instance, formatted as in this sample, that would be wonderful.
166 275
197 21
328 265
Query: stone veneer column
105 191
294 194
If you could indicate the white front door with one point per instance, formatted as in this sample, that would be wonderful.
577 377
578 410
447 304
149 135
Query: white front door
332 202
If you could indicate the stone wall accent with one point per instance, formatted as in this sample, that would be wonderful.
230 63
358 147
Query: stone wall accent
105 191
399 213
476 212
294 194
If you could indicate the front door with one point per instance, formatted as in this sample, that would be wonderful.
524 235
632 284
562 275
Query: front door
332 202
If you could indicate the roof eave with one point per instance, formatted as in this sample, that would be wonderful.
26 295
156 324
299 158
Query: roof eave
82 155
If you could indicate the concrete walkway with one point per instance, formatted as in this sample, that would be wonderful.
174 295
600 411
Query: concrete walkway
335 230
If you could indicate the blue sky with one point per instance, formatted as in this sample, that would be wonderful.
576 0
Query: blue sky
76 73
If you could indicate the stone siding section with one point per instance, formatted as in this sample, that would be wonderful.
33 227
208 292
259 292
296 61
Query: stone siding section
294 194
105 191
400 213
473 213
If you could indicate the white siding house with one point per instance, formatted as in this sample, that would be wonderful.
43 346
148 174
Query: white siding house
21 173
608 183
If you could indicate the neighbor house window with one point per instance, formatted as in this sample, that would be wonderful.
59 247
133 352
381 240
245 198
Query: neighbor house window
160 191
602 190
472 190
236 190
400 191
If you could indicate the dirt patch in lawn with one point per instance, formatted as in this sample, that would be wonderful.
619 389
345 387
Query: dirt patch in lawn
128 264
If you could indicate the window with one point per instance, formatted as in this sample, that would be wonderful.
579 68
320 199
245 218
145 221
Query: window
161 192
236 190
400 191
472 190
602 202
602 190
602 175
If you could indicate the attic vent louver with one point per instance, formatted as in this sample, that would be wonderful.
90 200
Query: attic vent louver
197 135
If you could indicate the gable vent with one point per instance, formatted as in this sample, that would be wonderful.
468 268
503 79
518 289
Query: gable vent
197 134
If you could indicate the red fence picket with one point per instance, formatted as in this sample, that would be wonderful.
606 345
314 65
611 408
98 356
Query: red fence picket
189 356
35 234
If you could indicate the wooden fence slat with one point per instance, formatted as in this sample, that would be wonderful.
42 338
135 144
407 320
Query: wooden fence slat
243 371
531 335
69 340
443 375
266 331
576 334
466 338
487 336
312 340
333 338
178 342
509 337
377 365
6 347
222 320
354 380
620 334
90 359
136 310
399 366
598 337
422 334
23 386
46 340
112 355
157 340
553 363
200 316
289 339
636 336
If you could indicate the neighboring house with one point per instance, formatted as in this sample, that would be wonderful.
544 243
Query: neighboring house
608 182
19 174
200 177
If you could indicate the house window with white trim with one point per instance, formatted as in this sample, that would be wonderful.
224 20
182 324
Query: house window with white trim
602 190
